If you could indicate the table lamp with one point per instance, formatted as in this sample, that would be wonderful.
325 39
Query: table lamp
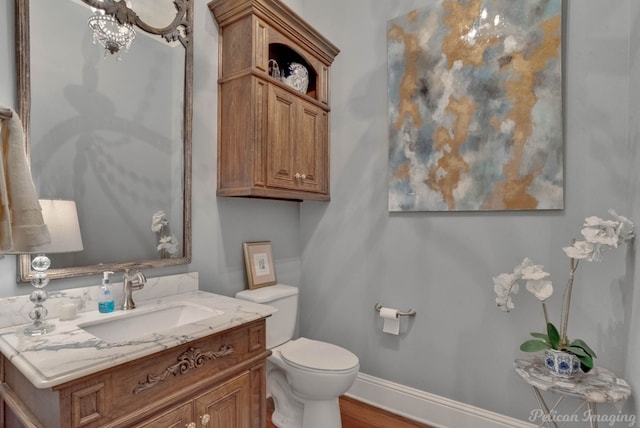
61 218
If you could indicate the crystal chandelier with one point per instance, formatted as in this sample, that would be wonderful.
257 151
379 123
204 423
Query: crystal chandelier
111 33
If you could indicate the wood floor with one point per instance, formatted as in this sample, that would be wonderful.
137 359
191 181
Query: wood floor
356 414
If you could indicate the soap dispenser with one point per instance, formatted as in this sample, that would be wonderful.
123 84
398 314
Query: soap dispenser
106 303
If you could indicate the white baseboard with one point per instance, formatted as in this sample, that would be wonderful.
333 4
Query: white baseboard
427 408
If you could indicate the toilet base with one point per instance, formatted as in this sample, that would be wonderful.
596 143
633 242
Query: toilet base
312 414
288 410
291 411
321 414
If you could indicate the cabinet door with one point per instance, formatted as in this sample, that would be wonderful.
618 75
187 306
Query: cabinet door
227 405
178 417
281 118
310 147
296 143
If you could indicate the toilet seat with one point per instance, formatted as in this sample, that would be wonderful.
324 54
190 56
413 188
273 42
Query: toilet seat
314 355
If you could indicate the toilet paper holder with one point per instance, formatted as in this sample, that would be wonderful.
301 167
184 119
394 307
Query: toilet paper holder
409 313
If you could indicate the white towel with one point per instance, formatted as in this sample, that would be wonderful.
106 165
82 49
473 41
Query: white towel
21 225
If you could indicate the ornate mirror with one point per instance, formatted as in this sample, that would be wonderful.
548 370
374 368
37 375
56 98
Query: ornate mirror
110 128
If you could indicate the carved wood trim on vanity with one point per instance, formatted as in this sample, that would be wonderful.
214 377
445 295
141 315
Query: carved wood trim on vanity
192 359
118 397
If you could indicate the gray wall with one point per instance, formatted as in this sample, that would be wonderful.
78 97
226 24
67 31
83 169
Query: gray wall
632 316
351 253
355 253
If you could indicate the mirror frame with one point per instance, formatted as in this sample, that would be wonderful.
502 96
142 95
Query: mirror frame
183 20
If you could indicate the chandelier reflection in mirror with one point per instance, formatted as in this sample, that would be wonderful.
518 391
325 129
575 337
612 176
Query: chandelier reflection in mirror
113 35
113 25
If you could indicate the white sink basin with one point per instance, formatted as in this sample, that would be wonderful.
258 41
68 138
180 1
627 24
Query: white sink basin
139 322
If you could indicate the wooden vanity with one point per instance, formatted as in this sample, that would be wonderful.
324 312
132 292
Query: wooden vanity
216 380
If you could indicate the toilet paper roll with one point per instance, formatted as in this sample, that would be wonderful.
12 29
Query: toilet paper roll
391 320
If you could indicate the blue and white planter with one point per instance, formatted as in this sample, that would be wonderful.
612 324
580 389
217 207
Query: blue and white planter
560 363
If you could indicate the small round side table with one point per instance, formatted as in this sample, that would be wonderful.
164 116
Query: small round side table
598 386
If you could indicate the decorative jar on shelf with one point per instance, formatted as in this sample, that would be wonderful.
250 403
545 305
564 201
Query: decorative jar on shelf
561 363
296 76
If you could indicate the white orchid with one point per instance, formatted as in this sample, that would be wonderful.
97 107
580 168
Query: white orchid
158 221
542 289
533 272
581 250
168 244
505 303
599 231
625 227
507 284
599 236
504 285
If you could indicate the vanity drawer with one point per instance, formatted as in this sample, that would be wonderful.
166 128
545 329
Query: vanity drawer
137 390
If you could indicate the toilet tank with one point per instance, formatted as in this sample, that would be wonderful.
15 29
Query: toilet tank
282 324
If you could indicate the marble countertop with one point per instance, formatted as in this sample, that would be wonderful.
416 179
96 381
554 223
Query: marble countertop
69 352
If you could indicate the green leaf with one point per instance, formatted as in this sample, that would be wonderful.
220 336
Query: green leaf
540 336
580 343
578 351
533 345
586 363
554 336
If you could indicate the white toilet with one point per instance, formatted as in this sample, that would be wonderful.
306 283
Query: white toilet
304 377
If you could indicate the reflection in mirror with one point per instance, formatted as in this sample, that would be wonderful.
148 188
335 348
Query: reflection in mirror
114 136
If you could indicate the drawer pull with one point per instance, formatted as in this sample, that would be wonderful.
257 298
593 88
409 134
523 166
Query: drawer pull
204 419
191 359
190 425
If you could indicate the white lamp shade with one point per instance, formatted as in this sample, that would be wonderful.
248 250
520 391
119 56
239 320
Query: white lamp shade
61 218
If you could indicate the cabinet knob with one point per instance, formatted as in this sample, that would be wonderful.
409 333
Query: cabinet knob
190 425
204 419
299 177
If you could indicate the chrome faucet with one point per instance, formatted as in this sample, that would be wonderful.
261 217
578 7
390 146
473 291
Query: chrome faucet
130 284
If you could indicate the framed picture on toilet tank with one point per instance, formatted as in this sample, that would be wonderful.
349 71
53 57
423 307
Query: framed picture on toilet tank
259 263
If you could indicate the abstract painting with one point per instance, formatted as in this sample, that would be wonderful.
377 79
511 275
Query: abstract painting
475 106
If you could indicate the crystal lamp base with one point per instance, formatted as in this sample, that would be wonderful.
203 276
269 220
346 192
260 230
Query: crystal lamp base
38 329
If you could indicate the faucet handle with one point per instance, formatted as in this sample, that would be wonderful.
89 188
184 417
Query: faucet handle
141 276
131 283
137 280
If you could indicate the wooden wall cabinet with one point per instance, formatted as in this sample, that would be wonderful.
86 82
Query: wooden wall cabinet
216 381
273 140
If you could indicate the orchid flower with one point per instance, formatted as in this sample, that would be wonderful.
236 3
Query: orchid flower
625 227
168 244
504 285
541 289
599 236
581 250
158 221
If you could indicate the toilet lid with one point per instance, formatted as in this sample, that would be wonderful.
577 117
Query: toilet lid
313 354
